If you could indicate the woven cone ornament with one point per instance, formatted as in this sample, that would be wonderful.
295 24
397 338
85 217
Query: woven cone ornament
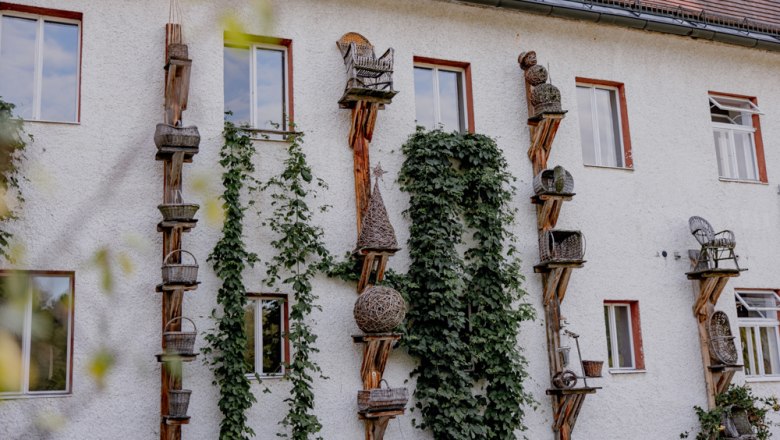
377 232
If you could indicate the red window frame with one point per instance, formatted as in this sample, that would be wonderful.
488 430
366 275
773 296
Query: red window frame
469 104
55 13
760 161
636 331
628 158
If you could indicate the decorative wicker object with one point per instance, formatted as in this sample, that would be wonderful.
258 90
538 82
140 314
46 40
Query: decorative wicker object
177 273
376 232
379 309
558 245
178 211
722 347
546 98
170 138
178 401
592 368
382 399
549 181
179 342
365 70
715 246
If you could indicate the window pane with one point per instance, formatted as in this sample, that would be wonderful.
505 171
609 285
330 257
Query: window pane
272 336
605 113
745 152
51 306
423 97
13 308
249 327
59 87
270 111
769 350
623 330
747 356
609 337
450 100
585 113
236 84
722 151
17 63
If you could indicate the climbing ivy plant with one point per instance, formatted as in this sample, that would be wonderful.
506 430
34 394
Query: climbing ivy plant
301 255
228 342
13 141
738 399
465 308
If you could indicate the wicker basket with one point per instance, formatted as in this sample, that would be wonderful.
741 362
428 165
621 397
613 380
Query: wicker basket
382 399
722 347
179 342
558 245
178 51
177 273
178 401
178 211
592 368
544 183
170 138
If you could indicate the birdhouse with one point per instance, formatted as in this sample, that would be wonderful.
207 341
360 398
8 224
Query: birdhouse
376 241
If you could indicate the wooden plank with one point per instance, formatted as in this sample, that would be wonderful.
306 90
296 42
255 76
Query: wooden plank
550 282
363 121
563 283
704 343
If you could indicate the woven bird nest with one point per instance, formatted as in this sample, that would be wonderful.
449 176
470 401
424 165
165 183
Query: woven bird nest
379 309
376 232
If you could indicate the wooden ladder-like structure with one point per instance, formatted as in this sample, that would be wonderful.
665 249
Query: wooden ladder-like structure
171 373
566 402
711 282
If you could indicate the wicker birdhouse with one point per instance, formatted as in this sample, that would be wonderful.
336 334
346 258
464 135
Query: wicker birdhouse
376 242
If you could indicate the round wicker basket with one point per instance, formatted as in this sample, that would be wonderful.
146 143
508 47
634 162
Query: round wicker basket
177 273
178 401
179 342
379 309
178 211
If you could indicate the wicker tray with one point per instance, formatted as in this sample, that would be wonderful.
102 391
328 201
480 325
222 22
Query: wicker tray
382 399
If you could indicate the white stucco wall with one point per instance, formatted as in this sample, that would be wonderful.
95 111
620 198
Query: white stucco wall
96 184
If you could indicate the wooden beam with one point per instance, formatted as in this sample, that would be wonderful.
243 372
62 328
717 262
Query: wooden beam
360 133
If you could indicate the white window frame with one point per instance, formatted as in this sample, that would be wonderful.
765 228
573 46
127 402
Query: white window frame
730 129
27 340
257 300
615 355
38 80
753 328
594 124
463 110
253 47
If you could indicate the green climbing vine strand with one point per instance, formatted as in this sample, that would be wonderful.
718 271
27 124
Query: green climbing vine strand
13 141
227 343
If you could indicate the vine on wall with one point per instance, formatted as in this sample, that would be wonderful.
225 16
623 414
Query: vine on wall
301 256
13 141
738 400
464 315
228 342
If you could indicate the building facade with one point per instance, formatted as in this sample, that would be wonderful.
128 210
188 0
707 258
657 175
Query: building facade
659 128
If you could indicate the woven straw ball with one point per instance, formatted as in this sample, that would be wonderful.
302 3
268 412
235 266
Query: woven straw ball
379 309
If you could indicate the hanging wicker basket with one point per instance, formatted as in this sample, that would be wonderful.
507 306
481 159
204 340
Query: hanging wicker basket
544 183
177 273
178 401
178 211
179 342
171 139
592 368
382 399
558 245
722 347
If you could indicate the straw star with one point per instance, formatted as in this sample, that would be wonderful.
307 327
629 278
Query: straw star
378 172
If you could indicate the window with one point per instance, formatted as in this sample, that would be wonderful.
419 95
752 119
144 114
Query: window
624 337
442 95
757 312
36 332
266 321
601 107
39 62
738 145
257 84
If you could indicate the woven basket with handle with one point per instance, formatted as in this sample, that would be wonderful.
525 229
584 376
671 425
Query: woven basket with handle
177 273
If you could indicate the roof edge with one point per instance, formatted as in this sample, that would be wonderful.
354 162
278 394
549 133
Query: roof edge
638 19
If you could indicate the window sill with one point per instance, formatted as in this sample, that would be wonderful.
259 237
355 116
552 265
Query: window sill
253 378
626 371
33 396
42 121
755 182
754 379
609 167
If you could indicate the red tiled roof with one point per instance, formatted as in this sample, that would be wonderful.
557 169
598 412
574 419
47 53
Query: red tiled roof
755 11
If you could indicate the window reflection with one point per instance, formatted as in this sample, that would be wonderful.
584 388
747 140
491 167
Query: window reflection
17 63
59 88
270 109
237 84
439 102
423 97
